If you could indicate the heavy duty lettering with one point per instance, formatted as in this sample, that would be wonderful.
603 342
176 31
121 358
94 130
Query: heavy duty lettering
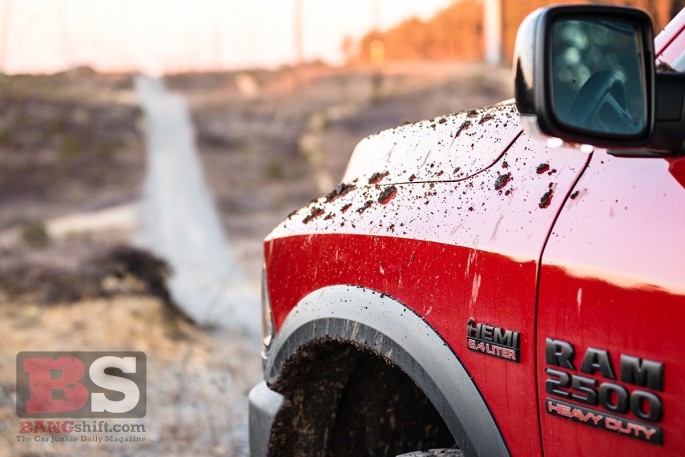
604 421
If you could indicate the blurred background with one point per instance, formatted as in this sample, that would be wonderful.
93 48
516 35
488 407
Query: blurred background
147 147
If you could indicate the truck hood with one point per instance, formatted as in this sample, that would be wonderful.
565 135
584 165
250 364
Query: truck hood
446 148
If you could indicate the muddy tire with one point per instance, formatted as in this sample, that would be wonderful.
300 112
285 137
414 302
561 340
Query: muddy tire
342 400
435 453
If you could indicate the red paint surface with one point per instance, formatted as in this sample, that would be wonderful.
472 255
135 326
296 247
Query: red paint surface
641 321
462 284
677 169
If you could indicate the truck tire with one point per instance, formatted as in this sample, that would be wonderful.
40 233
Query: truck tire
435 453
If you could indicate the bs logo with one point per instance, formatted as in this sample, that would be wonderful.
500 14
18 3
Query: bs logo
81 384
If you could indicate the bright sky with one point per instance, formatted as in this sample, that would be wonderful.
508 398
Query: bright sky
167 35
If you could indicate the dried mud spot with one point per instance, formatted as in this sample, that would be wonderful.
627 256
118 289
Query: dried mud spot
462 127
486 118
546 199
340 191
502 181
665 68
313 214
542 168
387 195
367 204
377 177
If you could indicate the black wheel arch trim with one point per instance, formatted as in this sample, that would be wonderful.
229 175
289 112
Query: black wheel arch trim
387 327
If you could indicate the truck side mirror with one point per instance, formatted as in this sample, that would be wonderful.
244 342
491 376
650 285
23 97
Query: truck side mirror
584 74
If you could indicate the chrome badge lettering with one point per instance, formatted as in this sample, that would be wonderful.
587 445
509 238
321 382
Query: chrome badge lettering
494 341
605 403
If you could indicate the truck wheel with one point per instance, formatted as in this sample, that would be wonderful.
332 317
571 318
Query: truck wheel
435 453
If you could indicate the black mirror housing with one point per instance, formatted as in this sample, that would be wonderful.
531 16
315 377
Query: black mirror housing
584 74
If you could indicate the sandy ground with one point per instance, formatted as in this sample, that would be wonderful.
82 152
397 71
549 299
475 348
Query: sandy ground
269 142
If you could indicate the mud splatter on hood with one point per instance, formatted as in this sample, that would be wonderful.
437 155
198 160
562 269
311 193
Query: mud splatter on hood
445 148
475 171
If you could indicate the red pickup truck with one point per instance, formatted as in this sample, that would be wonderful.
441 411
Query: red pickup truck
508 281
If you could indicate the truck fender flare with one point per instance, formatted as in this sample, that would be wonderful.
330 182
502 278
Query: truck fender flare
387 327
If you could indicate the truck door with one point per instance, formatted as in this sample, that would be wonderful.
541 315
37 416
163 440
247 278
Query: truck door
611 305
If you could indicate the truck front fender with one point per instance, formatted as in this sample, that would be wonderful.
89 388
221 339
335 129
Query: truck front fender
385 326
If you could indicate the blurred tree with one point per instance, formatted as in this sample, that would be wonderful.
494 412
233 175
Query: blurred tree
456 33
676 6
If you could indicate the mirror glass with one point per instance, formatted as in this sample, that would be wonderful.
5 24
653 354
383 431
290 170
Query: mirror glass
598 78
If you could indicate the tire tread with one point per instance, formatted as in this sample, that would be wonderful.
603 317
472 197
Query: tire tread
435 453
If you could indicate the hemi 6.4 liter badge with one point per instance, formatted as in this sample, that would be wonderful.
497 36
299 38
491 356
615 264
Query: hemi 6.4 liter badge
494 341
